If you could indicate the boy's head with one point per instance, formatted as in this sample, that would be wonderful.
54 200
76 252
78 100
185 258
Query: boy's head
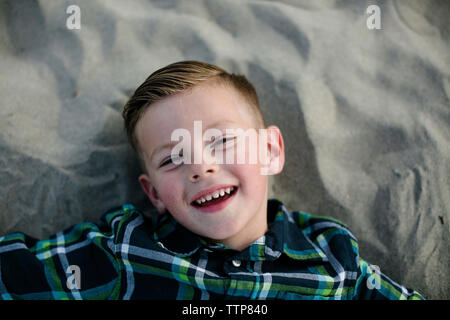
210 191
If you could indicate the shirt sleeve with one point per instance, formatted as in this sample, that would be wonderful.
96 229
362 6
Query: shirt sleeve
371 284
77 263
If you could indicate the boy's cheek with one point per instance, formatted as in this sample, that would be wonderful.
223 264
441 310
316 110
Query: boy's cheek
250 177
168 197
164 190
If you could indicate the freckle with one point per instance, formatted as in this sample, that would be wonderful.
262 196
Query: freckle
74 94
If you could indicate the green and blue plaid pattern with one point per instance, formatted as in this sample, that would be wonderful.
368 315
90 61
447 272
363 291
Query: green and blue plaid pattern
130 256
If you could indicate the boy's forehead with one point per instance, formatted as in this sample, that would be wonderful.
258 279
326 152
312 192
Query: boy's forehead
213 105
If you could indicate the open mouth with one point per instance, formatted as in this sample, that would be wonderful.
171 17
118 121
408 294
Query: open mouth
215 197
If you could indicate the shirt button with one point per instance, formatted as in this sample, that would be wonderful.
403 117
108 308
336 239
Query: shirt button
236 263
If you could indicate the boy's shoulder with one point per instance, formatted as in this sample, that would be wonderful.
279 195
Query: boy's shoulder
311 224
328 235
122 213
126 218
320 225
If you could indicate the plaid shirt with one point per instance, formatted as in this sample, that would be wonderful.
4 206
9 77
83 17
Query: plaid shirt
130 256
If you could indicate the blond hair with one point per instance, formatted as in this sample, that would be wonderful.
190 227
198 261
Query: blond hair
178 77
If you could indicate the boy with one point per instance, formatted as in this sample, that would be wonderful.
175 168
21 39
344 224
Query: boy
217 235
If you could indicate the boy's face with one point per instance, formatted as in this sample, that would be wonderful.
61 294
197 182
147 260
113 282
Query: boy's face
238 216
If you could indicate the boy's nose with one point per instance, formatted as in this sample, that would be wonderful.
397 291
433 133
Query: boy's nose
203 170
196 177
204 164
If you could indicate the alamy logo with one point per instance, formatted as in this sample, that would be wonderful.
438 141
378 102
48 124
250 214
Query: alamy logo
374 19
374 280
74 20
74 279
230 146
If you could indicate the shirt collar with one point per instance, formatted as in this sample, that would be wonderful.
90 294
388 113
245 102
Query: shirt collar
284 237
286 234
172 236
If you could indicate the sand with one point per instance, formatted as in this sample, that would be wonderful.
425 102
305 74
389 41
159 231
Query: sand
365 114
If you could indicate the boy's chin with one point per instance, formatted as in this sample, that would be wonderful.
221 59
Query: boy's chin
219 235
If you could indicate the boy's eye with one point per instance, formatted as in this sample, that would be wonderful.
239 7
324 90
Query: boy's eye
227 140
165 162
170 159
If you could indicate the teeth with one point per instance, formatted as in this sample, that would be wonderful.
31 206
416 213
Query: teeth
215 195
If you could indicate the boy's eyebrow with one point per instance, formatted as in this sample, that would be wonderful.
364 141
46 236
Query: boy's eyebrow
220 122
160 148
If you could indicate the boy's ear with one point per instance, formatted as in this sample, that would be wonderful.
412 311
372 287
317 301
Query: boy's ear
275 151
151 193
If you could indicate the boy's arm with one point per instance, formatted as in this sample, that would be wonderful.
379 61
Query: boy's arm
77 263
374 285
